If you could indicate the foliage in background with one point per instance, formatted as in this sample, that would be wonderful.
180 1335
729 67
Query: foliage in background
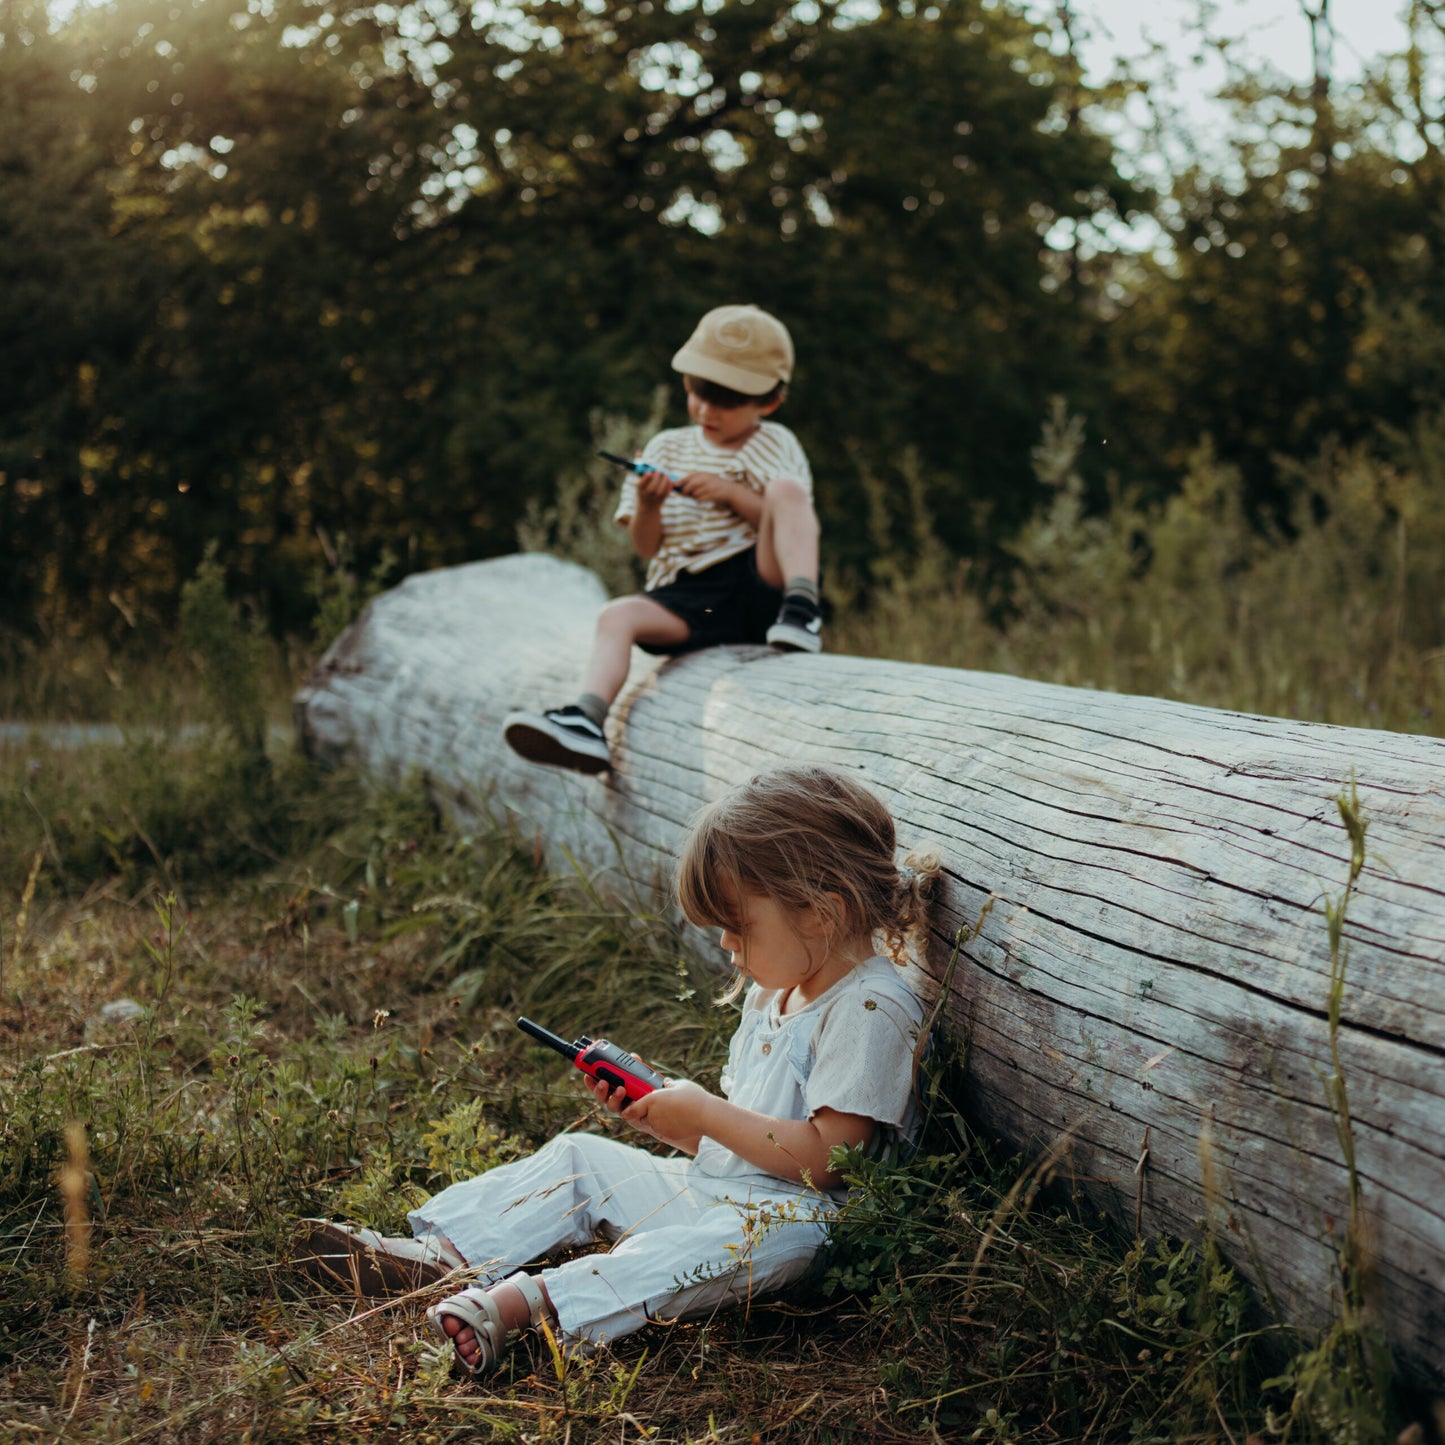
1336 616
576 521
1300 298
370 270
182 781
229 654
340 591
281 275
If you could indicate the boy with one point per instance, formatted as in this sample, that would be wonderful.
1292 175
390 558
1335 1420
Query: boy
727 526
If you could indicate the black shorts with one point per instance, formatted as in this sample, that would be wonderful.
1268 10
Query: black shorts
727 602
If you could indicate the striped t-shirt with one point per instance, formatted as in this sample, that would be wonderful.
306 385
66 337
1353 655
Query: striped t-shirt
697 535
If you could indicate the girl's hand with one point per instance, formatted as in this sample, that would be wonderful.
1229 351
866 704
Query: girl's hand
676 1114
615 1100
606 1096
671 1119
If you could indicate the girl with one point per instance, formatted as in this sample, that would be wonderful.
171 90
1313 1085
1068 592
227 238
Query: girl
796 868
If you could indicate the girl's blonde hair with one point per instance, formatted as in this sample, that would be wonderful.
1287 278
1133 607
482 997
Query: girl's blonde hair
794 835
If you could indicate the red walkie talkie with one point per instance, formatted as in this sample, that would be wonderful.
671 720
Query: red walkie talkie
600 1060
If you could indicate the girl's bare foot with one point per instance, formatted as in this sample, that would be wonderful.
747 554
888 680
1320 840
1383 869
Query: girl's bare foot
464 1341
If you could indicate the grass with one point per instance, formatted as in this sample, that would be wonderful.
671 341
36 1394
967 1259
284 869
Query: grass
331 1031
302 1050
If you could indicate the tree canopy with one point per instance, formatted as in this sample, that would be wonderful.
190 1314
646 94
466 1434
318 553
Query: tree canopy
371 269
277 268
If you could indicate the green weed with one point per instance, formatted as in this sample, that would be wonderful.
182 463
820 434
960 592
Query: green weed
1145 1343
1339 1383
230 658
576 524
339 590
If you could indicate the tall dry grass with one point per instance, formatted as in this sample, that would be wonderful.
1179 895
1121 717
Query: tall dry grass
1336 615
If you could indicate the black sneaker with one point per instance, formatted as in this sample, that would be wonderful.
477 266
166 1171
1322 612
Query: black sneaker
799 627
564 737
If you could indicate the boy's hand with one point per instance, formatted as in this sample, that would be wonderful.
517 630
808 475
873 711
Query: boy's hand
654 488
709 487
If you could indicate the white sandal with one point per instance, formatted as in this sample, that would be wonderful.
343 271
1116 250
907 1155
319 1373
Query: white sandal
477 1310
371 1263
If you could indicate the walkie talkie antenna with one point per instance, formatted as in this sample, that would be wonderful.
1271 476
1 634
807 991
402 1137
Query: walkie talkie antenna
546 1036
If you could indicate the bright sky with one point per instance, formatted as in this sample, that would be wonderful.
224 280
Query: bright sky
1272 30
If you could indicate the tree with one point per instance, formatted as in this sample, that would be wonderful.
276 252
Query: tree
1293 262
374 268
886 186
75 289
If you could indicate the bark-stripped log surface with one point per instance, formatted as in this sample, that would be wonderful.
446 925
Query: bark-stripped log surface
1153 961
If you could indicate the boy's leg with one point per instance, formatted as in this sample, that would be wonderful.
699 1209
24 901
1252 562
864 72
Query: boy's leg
622 623
572 736
787 536
787 558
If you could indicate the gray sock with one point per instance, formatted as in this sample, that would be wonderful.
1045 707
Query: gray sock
594 707
802 587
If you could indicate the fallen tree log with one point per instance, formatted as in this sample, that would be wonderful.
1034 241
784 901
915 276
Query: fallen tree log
1146 983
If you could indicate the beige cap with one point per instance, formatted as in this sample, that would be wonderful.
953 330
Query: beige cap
740 347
